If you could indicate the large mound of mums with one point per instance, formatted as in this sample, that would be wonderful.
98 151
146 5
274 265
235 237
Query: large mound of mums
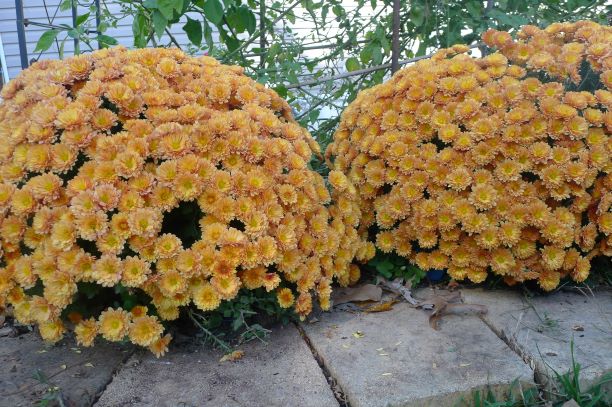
102 154
493 164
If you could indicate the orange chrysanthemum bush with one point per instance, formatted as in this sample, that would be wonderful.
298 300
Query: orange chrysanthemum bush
495 164
157 173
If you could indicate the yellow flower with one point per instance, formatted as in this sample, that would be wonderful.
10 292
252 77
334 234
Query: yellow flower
86 332
160 346
107 270
145 330
51 330
206 298
113 324
285 297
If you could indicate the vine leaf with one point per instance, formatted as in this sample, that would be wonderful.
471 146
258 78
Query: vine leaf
193 28
46 40
213 10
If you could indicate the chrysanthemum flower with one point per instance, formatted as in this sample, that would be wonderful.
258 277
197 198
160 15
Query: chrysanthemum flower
107 270
113 324
285 297
206 298
160 346
86 332
145 330
51 330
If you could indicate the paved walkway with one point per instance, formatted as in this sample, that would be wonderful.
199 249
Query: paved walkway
392 358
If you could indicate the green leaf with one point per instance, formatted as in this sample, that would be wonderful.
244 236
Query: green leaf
65 5
250 21
103 26
377 55
352 64
139 29
366 54
106 40
46 40
167 7
160 22
193 28
213 10
82 18
314 115
229 40
208 36
475 9
152 4
281 90
417 16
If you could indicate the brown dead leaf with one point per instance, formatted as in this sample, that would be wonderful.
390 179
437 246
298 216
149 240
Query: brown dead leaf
452 285
365 292
447 303
578 328
232 356
382 307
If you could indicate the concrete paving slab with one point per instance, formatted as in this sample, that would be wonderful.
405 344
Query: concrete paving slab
544 326
396 359
80 373
282 372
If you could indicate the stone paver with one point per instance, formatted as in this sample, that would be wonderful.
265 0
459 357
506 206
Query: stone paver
280 373
396 359
80 373
543 328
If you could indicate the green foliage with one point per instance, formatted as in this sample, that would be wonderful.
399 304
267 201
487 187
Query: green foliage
392 266
239 321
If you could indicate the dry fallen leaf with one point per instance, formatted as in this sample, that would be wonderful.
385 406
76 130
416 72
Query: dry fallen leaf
448 303
578 328
89 364
232 356
365 292
63 367
382 307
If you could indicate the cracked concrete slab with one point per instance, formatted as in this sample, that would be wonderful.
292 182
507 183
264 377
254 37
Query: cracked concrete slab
79 373
544 327
396 359
282 372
